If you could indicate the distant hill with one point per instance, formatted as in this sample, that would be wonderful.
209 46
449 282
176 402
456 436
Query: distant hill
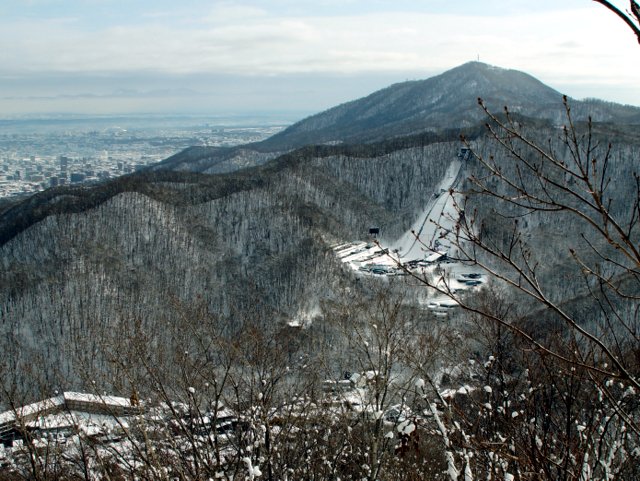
446 101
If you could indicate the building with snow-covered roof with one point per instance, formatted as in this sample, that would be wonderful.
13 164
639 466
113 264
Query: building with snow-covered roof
436 257
65 411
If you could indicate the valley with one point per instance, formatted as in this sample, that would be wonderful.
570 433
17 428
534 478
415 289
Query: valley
360 296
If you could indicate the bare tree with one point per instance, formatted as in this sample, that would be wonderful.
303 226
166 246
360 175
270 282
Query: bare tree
631 17
565 405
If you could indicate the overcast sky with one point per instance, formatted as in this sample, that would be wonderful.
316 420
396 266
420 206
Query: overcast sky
293 57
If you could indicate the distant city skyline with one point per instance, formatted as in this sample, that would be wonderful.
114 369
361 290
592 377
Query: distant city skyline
292 57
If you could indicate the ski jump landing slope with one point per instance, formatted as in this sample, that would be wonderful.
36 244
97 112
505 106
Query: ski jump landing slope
438 218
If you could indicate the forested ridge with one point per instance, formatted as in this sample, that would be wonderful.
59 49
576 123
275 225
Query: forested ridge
78 258
444 103
255 241
197 293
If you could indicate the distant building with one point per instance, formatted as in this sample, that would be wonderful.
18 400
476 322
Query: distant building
438 256
465 154
77 177
69 407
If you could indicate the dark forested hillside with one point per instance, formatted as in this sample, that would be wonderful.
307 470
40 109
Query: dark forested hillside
77 264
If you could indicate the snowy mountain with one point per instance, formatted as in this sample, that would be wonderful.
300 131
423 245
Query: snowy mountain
445 102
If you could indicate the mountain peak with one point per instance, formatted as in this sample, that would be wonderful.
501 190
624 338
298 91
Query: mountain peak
476 64
448 100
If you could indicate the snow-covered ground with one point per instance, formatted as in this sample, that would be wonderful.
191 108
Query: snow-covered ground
425 249
426 237
428 234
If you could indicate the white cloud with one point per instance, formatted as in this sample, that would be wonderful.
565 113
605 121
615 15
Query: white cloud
581 45
235 39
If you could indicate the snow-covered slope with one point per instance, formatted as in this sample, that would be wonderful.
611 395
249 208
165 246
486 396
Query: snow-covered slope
426 239
428 233
425 249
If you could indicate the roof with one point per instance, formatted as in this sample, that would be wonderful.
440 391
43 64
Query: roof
435 256
8 417
58 403
113 401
